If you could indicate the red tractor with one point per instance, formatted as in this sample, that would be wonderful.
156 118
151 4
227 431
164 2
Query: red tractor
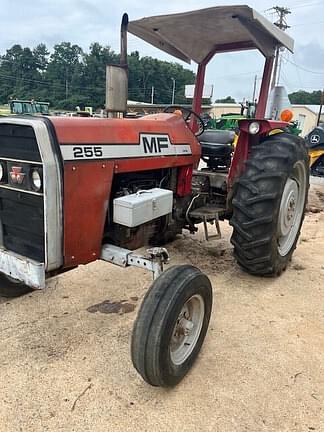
74 190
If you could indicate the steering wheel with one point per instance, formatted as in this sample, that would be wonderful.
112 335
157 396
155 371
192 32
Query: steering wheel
187 113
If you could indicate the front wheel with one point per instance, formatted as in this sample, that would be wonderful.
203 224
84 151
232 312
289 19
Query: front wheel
171 325
269 203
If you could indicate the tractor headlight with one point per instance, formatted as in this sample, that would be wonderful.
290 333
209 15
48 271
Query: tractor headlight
254 128
36 180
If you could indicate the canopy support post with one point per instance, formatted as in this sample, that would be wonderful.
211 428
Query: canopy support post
199 88
264 91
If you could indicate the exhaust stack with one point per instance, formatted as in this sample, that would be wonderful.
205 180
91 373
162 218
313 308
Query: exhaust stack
117 78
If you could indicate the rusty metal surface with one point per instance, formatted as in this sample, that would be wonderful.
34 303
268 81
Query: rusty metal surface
86 195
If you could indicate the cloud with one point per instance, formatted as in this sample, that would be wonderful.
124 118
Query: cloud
85 21
311 56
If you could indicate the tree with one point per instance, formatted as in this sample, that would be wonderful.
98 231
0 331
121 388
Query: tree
147 72
20 73
69 77
305 98
64 72
228 99
94 73
40 54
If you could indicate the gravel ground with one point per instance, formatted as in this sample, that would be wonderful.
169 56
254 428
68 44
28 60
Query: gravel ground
64 352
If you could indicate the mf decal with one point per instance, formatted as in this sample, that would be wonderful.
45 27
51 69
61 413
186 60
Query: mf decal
154 143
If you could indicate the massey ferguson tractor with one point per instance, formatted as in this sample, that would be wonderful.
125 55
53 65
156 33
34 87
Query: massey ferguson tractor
75 190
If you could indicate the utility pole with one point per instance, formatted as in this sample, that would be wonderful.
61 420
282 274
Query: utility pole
320 109
282 24
173 91
254 87
66 84
152 95
66 88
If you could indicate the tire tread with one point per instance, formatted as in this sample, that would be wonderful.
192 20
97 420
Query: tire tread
256 200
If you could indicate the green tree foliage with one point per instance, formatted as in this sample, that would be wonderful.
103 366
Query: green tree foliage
147 72
228 99
21 71
40 55
64 72
305 98
69 77
94 74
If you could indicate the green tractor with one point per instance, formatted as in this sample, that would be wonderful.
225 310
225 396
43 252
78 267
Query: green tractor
230 121
31 107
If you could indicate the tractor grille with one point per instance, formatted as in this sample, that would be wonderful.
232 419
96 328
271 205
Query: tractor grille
21 208
18 142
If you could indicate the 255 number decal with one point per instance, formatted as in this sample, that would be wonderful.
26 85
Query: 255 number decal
87 152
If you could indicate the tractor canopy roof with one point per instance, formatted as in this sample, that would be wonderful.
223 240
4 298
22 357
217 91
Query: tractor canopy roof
200 34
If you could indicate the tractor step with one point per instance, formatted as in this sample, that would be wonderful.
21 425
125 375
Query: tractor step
208 214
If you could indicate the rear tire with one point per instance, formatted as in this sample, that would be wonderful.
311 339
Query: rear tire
171 325
10 288
163 238
269 203
165 233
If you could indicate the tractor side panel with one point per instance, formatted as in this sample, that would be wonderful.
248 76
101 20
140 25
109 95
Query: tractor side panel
93 150
86 197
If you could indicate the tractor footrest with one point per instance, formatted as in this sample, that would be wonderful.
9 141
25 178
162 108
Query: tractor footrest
208 214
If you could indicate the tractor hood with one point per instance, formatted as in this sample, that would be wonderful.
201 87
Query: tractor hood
199 34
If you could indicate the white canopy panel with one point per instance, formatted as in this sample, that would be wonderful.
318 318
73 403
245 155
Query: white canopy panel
194 35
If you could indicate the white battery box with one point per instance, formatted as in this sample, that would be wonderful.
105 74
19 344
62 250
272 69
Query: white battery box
145 205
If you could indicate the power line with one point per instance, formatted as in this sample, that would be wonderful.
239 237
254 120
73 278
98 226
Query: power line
238 74
301 5
307 24
304 69
54 85
298 74
31 80
287 84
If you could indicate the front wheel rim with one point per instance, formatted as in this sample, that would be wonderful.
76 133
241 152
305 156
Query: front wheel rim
187 329
291 208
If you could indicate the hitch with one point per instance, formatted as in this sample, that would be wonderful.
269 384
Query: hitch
125 258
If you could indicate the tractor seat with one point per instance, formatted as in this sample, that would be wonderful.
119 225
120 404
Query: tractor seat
216 143
217 136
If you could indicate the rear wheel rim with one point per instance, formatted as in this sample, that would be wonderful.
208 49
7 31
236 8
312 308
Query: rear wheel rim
187 329
291 208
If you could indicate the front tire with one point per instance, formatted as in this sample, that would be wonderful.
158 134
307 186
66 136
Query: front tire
269 203
171 325
11 288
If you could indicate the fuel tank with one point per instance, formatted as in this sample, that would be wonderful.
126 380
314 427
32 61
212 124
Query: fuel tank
165 137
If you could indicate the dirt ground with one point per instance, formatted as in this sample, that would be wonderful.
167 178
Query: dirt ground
65 363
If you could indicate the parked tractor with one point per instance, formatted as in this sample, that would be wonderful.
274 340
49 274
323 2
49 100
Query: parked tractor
32 107
75 190
315 142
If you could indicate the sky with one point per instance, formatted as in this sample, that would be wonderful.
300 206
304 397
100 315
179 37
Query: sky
82 22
